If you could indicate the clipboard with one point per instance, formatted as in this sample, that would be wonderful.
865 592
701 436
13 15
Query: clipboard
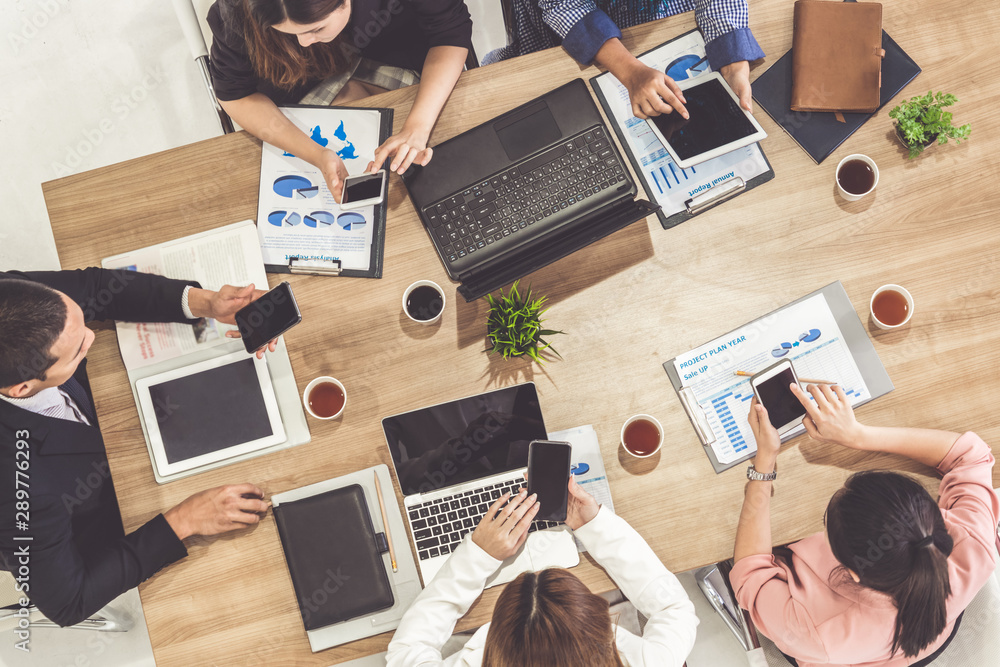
311 265
698 203
860 345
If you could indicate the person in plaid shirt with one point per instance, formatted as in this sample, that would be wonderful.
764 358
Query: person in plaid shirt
589 31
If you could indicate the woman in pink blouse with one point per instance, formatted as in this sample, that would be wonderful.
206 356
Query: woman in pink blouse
886 583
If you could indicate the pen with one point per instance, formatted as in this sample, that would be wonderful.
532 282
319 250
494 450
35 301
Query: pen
385 522
805 380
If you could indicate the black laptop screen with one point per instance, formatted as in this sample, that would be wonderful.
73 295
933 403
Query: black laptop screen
464 440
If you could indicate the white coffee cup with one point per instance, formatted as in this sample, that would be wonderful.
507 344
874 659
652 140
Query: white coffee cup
659 430
320 380
849 196
423 283
891 288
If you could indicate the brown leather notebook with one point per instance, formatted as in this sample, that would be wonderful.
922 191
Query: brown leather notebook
836 56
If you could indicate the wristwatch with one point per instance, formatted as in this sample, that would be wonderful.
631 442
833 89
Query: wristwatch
754 476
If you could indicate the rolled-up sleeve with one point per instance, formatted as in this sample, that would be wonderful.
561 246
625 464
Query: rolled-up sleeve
725 25
444 22
761 584
582 27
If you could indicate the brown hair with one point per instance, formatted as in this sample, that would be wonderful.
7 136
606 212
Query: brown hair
550 618
278 57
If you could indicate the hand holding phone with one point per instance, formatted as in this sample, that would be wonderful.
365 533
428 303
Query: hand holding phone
548 476
268 317
771 387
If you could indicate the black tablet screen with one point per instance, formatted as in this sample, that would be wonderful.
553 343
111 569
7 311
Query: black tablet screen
716 120
209 411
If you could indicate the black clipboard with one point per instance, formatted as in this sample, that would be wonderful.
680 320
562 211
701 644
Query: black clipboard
332 267
703 201
858 342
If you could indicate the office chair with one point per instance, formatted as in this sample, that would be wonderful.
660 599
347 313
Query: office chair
193 17
106 620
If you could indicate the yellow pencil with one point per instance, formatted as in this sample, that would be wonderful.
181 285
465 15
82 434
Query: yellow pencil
385 522
803 380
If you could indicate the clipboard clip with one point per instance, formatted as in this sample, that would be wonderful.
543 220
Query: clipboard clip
715 195
314 266
697 416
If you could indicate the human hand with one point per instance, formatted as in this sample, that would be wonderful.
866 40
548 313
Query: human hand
334 172
217 510
737 75
405 148
581 507
830 418
768 441
502 536
652 92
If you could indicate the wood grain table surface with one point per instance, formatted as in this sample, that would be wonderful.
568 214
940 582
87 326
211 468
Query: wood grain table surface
628 303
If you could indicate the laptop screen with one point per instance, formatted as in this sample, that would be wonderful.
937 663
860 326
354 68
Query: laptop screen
464 440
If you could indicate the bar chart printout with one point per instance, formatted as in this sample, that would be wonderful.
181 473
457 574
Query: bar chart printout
806 332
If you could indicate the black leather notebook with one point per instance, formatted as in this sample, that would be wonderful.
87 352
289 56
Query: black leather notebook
819 132
333 556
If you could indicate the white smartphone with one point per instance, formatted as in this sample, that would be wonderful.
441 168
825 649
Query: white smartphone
364 190
771 387
717 123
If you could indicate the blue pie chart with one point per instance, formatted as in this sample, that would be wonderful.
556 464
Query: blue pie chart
351 221
295 187
809 336
682 68
324 218
781 350
276 217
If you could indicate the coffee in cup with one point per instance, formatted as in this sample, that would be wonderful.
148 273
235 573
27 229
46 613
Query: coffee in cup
642 436
325 398
423 301
857 175
891 307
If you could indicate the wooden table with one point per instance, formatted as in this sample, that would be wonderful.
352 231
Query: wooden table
628 303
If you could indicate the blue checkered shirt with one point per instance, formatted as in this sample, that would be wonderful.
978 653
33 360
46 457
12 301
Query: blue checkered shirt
582 27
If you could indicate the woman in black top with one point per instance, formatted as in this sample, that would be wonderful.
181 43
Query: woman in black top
270 52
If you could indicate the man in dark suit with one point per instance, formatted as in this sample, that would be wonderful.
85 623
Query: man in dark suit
61 532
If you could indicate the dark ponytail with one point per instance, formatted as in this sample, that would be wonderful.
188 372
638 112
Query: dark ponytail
888 530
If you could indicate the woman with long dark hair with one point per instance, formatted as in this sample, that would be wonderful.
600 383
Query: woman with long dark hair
549 618
589 31
270 52
887 582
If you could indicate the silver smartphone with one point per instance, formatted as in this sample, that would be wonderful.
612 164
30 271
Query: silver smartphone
771 387
364 190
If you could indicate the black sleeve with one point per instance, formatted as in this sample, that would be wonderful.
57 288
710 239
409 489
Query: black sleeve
69 585
444 22
228 62
128 296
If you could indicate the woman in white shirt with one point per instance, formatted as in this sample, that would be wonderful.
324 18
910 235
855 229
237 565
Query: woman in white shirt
549 618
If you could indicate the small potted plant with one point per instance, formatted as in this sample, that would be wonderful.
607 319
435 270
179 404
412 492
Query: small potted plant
514 325
922 119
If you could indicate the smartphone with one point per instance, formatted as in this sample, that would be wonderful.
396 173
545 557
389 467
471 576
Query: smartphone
364 190
548 476
771 387
268 317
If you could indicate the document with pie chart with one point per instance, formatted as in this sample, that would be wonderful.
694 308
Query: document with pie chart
805 332
299 222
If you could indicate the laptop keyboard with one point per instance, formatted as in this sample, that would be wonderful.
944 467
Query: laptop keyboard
439 525
502 205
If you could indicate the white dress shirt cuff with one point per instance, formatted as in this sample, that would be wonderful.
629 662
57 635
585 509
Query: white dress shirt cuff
185 308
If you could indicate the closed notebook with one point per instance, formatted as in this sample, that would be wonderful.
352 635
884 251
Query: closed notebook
333 556
836 56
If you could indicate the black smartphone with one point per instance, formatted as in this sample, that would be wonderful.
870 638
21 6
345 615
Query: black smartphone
548 476
771 387
268 317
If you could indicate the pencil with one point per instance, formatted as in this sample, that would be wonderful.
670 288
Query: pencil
805 380
385 522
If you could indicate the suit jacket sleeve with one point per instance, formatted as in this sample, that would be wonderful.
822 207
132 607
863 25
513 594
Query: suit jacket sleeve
69 584
128 296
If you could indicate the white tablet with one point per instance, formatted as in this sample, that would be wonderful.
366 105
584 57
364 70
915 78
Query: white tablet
209 411
717 123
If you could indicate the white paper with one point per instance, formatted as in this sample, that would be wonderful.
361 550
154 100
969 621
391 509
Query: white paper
683 58
228 255
587 465
807 333
296 213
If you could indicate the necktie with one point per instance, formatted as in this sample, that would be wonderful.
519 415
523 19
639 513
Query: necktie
76 391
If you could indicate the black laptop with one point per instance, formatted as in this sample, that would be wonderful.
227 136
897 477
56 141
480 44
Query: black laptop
523 190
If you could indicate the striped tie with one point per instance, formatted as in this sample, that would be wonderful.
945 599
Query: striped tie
76 391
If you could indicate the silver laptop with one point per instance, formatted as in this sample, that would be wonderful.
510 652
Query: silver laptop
453 460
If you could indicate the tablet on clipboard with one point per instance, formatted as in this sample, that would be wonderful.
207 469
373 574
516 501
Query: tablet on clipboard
717 124
209 411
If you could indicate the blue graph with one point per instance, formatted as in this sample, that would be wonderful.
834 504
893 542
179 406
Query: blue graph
324 218
674 175
351 221
687 66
